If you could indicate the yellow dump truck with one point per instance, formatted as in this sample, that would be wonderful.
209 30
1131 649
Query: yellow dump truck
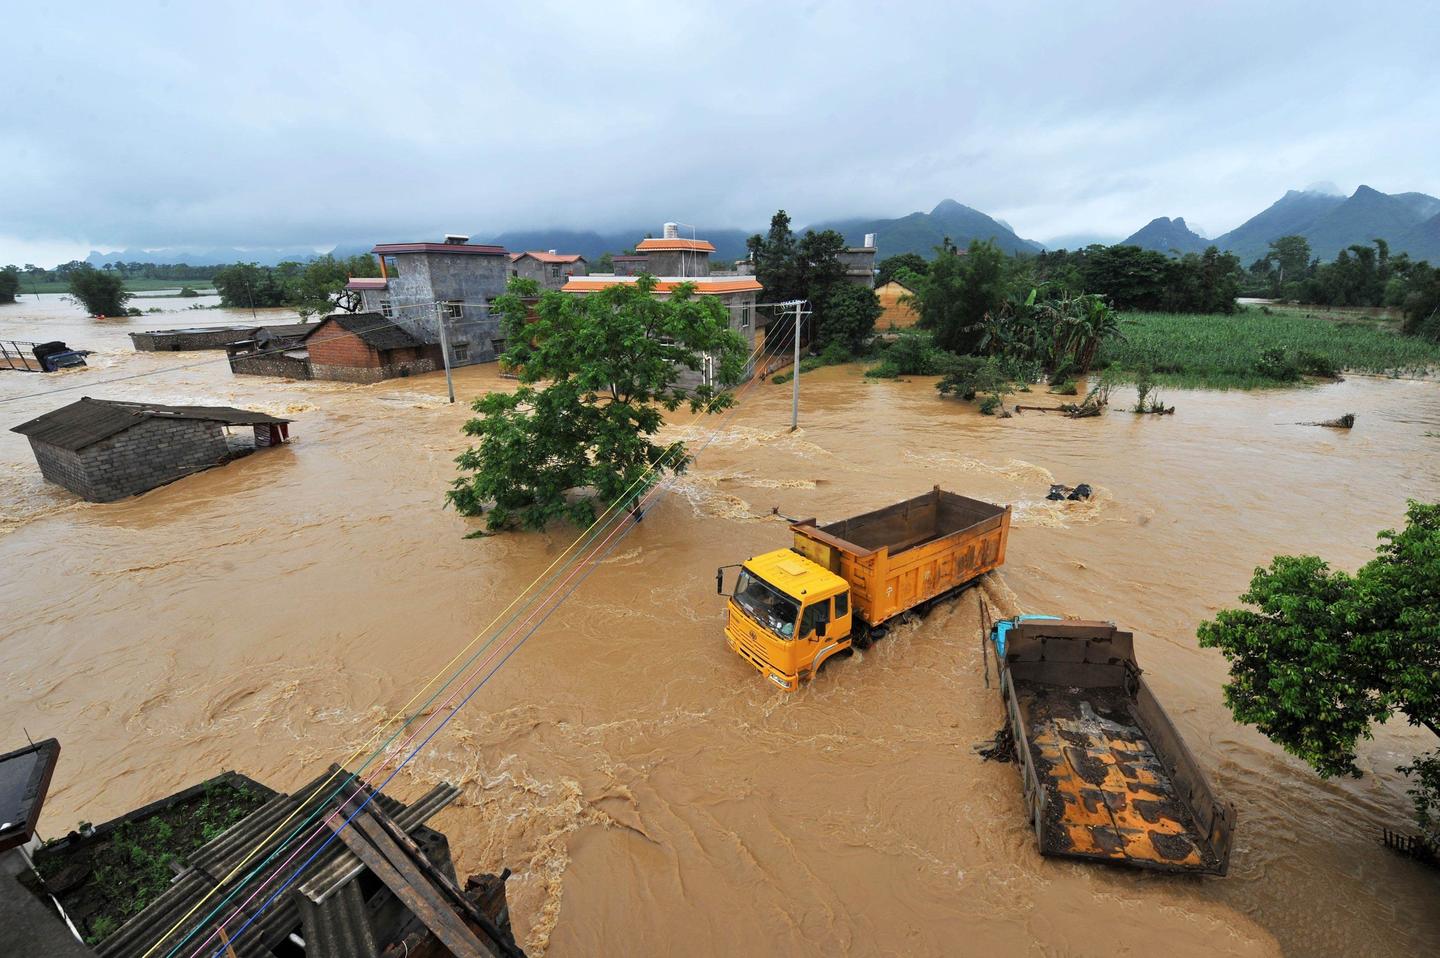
838 585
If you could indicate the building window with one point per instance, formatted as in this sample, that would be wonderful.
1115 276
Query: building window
392 267
460 352
514 272
498 346
453 309
745 315
554 270
386 309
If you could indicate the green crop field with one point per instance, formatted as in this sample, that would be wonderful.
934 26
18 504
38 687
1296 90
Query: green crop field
1229 352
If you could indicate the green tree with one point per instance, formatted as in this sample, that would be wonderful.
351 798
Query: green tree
777 260
1290 256
847 316
610 361
959 291
101 294
893 267
1322 655
9 283
318 287
249 286
605 264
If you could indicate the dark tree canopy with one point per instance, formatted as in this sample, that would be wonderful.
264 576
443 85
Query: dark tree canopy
902 267
9 283
850 311
100 293
808 268
958 292
610 363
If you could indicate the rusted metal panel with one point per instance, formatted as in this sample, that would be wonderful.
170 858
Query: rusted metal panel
1106 774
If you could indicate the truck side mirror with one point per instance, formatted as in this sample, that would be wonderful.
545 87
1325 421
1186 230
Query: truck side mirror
820 629
720 581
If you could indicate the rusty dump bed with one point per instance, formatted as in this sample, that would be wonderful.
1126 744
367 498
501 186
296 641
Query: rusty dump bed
903 555
1107 776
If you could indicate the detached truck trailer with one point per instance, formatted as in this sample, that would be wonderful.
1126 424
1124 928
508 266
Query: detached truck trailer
838 585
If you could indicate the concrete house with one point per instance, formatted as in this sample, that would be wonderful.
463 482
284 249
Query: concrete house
366 348
422 285
548 268
103 450
859 262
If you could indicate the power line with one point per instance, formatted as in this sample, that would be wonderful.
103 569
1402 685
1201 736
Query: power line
609 513
653 493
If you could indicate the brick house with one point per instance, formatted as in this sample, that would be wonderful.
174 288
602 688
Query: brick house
103 450
548 268
422 285
366 348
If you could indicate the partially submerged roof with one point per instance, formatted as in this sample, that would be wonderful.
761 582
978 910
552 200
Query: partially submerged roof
24 780
657 244
374 330
88 421
287 330
704 285
545 256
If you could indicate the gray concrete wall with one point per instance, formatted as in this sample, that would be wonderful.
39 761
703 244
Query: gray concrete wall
420 279
678 263
859 263
269 364
151 454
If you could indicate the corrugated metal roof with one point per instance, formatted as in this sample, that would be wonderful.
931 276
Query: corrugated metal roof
374 330
88 421
216 860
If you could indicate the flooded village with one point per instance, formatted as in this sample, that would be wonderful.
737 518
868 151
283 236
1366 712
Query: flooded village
633 774
609 498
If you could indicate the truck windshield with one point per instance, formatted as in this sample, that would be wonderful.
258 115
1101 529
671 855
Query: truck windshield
765 605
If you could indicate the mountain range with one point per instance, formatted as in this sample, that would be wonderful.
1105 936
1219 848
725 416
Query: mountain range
1409 222
922 232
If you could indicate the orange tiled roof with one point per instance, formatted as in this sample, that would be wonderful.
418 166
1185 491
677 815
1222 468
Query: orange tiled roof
655 244
547 257
703 286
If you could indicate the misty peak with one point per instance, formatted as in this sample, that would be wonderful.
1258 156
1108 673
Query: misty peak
1324 188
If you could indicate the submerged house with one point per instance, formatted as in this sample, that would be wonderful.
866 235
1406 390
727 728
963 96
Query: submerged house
366 348
103 450
424 285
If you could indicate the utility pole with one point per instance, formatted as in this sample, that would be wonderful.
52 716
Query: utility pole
795 374
445 347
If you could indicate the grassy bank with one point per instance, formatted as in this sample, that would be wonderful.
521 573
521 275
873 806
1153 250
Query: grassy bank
1228 352
133 285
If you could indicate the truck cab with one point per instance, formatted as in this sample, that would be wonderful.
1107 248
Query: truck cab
787 616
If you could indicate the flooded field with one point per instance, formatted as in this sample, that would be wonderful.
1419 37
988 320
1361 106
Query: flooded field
650 791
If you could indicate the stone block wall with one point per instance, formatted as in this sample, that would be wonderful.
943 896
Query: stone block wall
178 340
142 457
269 364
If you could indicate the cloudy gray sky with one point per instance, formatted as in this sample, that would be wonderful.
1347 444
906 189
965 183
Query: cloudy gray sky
258 124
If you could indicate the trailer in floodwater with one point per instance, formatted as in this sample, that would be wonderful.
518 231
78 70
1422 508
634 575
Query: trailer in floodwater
1106 775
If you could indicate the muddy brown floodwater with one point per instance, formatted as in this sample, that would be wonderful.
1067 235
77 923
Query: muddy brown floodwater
652 794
